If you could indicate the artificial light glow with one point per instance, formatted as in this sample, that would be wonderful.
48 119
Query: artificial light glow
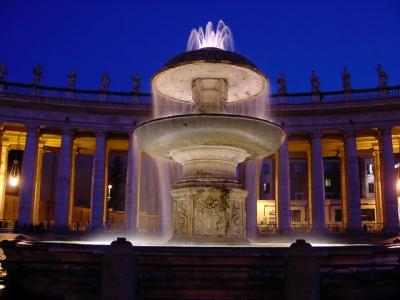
398 184
13 181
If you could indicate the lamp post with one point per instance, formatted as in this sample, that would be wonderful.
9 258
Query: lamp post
108 205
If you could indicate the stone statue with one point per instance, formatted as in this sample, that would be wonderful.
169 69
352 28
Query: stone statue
105 82
3 71
314 82
72 75
137 82
382 77
346 79
37 74
282 84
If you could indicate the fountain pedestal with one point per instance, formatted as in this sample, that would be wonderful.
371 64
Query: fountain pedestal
208 202
209 213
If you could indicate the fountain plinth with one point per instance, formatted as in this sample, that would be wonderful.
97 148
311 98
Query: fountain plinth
209 201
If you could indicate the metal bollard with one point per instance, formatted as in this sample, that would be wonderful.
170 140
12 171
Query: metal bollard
119 272
302 272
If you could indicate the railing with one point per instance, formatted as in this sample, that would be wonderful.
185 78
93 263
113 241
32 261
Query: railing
267 228
335 227
6 224
13 88
373 227
303 227
337 96
114 226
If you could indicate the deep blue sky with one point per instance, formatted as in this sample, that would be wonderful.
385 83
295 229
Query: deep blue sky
138 37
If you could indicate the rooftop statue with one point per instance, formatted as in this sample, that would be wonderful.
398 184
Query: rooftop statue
137 82
282 84
72 75
314 82
346 79
3 71
105 81
37 74
382 77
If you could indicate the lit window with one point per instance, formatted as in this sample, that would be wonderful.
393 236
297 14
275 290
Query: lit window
368 214
338 215
266 187
371 188
370 169
328 182
296 215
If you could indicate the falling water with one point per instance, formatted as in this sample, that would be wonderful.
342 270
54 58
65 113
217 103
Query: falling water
256 107
221 38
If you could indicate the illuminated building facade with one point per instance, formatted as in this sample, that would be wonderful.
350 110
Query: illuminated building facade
74 152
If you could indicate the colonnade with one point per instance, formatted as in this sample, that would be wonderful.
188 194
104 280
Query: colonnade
63 204
30 180
351 197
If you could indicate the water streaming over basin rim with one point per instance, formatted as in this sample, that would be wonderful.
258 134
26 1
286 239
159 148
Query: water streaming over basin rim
174 80
258 137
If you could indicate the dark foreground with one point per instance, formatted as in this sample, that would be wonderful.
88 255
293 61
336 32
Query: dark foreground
38 270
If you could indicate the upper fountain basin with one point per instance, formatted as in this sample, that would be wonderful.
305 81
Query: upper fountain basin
174 80
160 137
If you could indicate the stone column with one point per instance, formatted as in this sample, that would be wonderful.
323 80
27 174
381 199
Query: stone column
317 184
131 191
353 201
72 185
378 186
389 192
252 178
62 210
97 212
36 202
3 172
28 177
284 188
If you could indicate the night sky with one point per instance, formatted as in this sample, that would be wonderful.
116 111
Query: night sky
138 37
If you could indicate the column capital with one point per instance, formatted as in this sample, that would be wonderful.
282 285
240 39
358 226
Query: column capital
67 131
348 133
31 128
100 133
387 130
316 134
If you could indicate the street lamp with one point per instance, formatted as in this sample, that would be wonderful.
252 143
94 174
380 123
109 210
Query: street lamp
108 203
13 177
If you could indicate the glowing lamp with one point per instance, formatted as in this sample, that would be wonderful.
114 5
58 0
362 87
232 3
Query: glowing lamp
13 177
13 181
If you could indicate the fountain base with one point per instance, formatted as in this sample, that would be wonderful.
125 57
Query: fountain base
209 214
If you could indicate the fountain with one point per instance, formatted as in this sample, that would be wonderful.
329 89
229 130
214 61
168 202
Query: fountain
205 120
209 141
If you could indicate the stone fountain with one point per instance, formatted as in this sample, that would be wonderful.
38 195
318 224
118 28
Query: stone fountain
209 143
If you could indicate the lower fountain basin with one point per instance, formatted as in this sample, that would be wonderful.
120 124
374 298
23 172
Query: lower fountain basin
258 138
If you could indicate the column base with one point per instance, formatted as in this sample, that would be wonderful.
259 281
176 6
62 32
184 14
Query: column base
60 229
